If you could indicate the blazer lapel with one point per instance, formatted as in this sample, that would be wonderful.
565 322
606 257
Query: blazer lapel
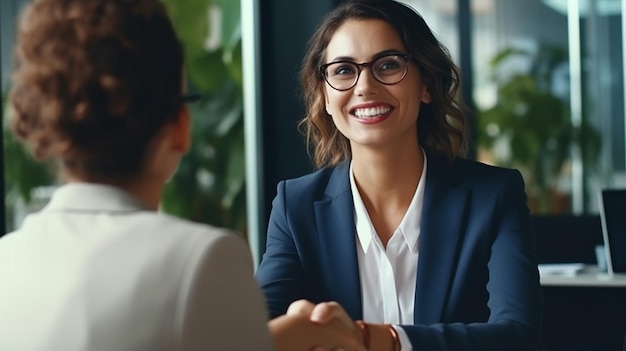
334 217
440 233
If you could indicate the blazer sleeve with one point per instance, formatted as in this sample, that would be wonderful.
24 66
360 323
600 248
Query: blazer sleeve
514 290
280 274
220 306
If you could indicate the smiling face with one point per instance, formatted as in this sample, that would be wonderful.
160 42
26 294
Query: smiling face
373 114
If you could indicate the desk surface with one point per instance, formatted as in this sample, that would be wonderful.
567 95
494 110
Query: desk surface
589 277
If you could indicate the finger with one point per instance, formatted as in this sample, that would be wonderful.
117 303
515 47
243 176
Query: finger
326 311
322 313
302 307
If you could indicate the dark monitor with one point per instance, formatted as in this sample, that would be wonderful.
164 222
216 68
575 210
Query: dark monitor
567 238
613 216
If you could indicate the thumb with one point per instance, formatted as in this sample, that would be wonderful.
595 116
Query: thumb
300 307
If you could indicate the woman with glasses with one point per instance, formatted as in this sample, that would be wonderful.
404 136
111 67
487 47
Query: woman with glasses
425 249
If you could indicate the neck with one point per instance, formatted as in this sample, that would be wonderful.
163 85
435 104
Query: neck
148 190
385 176
387 182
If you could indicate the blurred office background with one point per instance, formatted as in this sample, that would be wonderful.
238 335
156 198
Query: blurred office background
544 78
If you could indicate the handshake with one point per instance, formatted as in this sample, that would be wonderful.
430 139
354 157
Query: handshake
327 327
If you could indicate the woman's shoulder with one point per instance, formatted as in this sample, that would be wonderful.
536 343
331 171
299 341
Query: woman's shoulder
328 179
319 175
482 176
170 223
471 173
481 167
190 243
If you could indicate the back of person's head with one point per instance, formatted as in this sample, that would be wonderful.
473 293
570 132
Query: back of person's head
95 81
441 123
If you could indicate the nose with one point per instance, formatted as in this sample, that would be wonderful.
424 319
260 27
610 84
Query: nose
366 83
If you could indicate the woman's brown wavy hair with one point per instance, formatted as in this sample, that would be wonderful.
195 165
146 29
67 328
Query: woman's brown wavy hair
442 123
94 82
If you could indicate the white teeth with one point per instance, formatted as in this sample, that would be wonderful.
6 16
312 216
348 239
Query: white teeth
371 111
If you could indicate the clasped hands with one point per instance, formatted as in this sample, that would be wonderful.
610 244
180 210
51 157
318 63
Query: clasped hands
322 327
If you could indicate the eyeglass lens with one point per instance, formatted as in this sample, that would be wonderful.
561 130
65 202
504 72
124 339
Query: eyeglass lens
389 69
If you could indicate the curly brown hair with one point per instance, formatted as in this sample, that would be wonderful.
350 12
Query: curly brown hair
94 82
442 123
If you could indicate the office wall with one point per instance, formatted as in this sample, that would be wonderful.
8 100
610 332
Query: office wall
285 27
8 15
9 10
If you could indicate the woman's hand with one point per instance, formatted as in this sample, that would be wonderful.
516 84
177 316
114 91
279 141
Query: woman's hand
323 313
379 335
309 327
326 311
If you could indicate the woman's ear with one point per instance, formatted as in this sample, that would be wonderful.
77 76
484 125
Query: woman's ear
426 96
326 103
181 131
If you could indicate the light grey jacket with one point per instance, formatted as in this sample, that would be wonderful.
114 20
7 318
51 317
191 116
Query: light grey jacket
96 271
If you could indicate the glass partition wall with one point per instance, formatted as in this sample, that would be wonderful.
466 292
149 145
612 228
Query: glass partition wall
602 91
550 97
548 90
547 85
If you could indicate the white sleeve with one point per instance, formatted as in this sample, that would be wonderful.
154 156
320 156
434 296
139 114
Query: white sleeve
223 308
404 339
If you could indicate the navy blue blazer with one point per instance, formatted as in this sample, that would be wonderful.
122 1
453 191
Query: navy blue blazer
477 281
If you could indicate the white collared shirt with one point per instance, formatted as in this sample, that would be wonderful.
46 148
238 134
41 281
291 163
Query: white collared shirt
388 276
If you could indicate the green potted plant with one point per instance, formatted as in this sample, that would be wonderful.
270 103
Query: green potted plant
210 183
529 127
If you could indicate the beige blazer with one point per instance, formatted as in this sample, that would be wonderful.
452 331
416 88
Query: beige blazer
95 270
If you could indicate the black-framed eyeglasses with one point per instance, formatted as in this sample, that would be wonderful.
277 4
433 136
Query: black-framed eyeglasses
387 69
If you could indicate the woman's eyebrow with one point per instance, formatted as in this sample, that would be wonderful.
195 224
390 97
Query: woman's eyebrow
387 52
342 58
374 57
